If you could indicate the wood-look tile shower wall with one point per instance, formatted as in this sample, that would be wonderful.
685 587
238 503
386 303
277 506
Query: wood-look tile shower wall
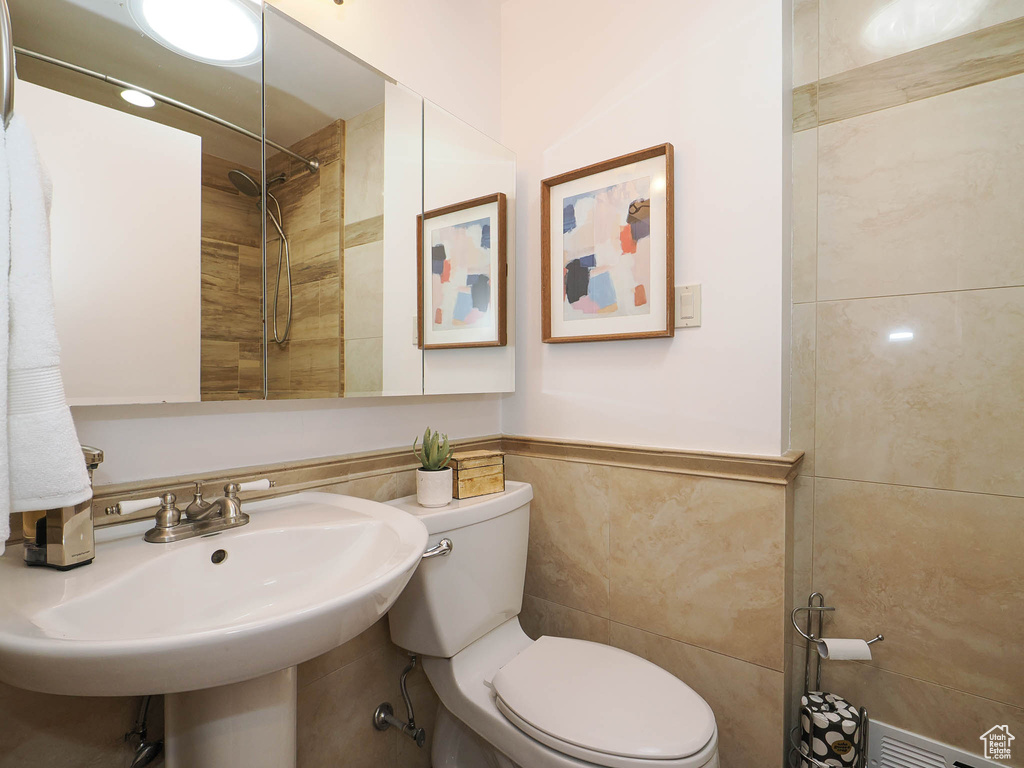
232 325
310 364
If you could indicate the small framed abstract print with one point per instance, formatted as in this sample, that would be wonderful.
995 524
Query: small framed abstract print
462 270
607 251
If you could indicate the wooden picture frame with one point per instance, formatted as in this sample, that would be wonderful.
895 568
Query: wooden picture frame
453 315
586 284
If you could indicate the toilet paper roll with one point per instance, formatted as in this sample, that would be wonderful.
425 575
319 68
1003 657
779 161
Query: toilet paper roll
831 730
841 648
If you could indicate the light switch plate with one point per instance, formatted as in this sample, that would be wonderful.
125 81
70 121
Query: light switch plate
688 306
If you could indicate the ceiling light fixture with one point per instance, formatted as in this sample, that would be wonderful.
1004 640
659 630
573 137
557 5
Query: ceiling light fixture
138 98
221 32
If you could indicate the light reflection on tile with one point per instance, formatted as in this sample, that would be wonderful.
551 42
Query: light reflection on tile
854 34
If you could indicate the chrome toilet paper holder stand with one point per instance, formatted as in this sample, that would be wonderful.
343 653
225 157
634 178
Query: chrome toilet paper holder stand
820 608
816 607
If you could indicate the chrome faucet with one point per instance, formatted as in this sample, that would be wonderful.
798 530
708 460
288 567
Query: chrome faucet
201 517
227 506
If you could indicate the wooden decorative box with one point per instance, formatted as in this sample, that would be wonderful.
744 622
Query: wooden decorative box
476 473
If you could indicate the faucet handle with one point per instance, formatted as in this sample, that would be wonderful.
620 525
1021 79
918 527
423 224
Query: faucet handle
262 484
197 506
168 515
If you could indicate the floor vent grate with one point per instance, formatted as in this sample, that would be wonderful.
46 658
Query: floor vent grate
890 747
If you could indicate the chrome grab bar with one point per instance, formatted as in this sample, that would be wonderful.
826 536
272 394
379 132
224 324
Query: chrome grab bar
312 164
444 547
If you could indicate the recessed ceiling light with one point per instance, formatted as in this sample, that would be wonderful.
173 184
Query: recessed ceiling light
138 98
901 335
222 32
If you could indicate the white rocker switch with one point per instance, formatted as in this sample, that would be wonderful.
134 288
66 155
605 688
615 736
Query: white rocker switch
687 306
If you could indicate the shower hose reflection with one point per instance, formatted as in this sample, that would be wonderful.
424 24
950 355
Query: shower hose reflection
248 186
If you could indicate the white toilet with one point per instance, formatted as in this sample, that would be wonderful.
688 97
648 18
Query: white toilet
509 701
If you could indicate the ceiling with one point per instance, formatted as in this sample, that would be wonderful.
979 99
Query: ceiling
310 83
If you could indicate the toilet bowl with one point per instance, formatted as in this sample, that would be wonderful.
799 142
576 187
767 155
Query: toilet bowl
508 701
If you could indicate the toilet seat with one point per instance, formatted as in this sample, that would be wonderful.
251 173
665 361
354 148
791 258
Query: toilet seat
602 704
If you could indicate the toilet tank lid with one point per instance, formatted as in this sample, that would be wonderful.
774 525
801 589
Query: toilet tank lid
462 512
604 699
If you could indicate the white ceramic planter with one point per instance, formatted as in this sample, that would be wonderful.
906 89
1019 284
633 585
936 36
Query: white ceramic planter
434 489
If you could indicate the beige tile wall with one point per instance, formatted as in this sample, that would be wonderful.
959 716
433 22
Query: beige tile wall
311 363
687 571
364 254
907 218
231 353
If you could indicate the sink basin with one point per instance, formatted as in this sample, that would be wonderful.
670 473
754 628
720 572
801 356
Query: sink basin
309 572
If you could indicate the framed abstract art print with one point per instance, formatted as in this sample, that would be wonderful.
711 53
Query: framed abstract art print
607 251
462 271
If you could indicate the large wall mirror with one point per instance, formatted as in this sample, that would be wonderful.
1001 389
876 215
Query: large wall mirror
247 223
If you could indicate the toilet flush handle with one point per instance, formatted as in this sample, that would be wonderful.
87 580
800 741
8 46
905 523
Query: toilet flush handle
444 547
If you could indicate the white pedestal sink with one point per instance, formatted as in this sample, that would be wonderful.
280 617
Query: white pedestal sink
217 622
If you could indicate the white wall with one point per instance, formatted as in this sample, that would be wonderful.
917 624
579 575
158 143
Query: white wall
461 163
587 80
158 440
403 192
126 218
447 50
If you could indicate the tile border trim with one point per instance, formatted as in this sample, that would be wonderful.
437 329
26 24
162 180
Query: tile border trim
311 474
978 57
289 477
774 470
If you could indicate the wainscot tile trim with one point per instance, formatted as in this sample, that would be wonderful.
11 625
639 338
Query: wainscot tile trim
295 476
775 470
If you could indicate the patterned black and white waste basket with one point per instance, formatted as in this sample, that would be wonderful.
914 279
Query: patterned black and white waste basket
830 729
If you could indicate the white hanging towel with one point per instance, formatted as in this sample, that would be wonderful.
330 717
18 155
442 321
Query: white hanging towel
44 459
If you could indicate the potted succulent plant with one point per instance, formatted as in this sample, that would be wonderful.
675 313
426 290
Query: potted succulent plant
434 479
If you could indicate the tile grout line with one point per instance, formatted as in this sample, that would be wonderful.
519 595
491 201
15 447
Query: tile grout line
918 487
658 634
941 685
916 293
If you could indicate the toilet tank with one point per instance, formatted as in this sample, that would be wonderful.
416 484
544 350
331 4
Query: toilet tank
456 599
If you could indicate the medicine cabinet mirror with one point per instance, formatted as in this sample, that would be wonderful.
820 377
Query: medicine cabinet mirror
242 225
